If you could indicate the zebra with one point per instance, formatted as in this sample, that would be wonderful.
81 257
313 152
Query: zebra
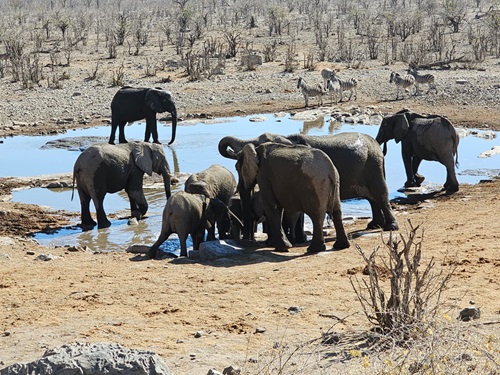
334 89
350 84
308 91
423 79
404 82
326 74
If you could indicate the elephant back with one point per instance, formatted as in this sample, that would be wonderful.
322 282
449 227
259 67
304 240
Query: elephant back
213 182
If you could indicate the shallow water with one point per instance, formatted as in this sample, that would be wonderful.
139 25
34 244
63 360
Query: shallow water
196 149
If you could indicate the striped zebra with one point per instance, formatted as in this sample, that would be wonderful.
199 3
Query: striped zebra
326 74
311 91
334 89
350 84
404 82
422 79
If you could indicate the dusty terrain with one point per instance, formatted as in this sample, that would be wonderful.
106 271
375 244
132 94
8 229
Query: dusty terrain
241 305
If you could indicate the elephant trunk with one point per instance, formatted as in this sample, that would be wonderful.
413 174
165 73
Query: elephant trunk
165 172
246 205
227 149
384 150
174 125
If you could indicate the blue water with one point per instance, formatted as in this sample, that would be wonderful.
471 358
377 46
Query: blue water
195 149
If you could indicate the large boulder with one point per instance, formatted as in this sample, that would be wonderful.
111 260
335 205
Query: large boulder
92 359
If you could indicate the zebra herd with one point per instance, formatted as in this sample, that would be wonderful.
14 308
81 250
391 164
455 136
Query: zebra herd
336 87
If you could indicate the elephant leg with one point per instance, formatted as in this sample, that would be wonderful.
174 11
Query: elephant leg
451 184
151 129
138 203
87 222
318 240
300 235
114 125
378 218
121 132
415 163
341 242
198 237
156 246
408 163
102 220
276 235
183 240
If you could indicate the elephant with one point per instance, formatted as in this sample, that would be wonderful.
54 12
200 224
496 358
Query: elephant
422 137
296 179
214 182
136 103
184 214
359 162
103 168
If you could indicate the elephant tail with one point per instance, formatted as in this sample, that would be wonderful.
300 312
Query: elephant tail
456 141
384 150
73 190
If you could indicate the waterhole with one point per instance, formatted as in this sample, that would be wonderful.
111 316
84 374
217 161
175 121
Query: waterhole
195 149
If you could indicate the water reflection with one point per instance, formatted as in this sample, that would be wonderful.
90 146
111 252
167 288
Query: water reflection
196 149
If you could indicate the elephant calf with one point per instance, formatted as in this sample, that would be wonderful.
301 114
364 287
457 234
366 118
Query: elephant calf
296 179
105 168
215 182
184 214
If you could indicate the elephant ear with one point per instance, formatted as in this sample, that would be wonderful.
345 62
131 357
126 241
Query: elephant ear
143 158
401 127
153 100
249 166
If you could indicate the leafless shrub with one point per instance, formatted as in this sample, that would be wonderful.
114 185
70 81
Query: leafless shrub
290 63
309 61
118 78
94 74
121 29
415 293
233 38
478 39
150 69
112 49
270 50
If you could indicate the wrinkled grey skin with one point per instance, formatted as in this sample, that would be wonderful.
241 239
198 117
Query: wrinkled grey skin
136 103
296 179
215 182
359 162
422 137
105 168
184 214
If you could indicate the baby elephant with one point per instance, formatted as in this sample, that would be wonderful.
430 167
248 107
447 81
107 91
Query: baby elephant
105 168
215 182
184 214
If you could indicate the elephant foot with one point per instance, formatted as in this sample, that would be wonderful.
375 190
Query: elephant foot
374 225
104 224
316 248
451 189
88 225
152 253
391 226
419 179
341 244
123 140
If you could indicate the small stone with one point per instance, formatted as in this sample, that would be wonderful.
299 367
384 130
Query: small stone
231 370
213 372
260 330
199 334
30 252
469 313
295 310
133 221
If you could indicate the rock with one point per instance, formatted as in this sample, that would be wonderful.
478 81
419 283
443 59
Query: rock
138 249
95 358
213 372
231 370
295 310
47 257
257 119
133 221
486 154
469 313
461 81
216 249
260 330
199 334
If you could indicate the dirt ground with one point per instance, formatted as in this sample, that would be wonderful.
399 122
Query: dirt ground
240 306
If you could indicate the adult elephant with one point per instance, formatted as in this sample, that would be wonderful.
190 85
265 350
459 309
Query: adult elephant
215 182
184 214
296 179
104 168
136 103
422 137
359 162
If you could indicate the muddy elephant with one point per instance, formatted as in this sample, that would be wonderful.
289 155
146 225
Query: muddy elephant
184 214
359 162
104 168
136 103
214 182
296 179
422 137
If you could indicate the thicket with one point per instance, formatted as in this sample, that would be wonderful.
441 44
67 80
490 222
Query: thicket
39 38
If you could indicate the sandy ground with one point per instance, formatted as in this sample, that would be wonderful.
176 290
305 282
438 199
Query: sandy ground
239 306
